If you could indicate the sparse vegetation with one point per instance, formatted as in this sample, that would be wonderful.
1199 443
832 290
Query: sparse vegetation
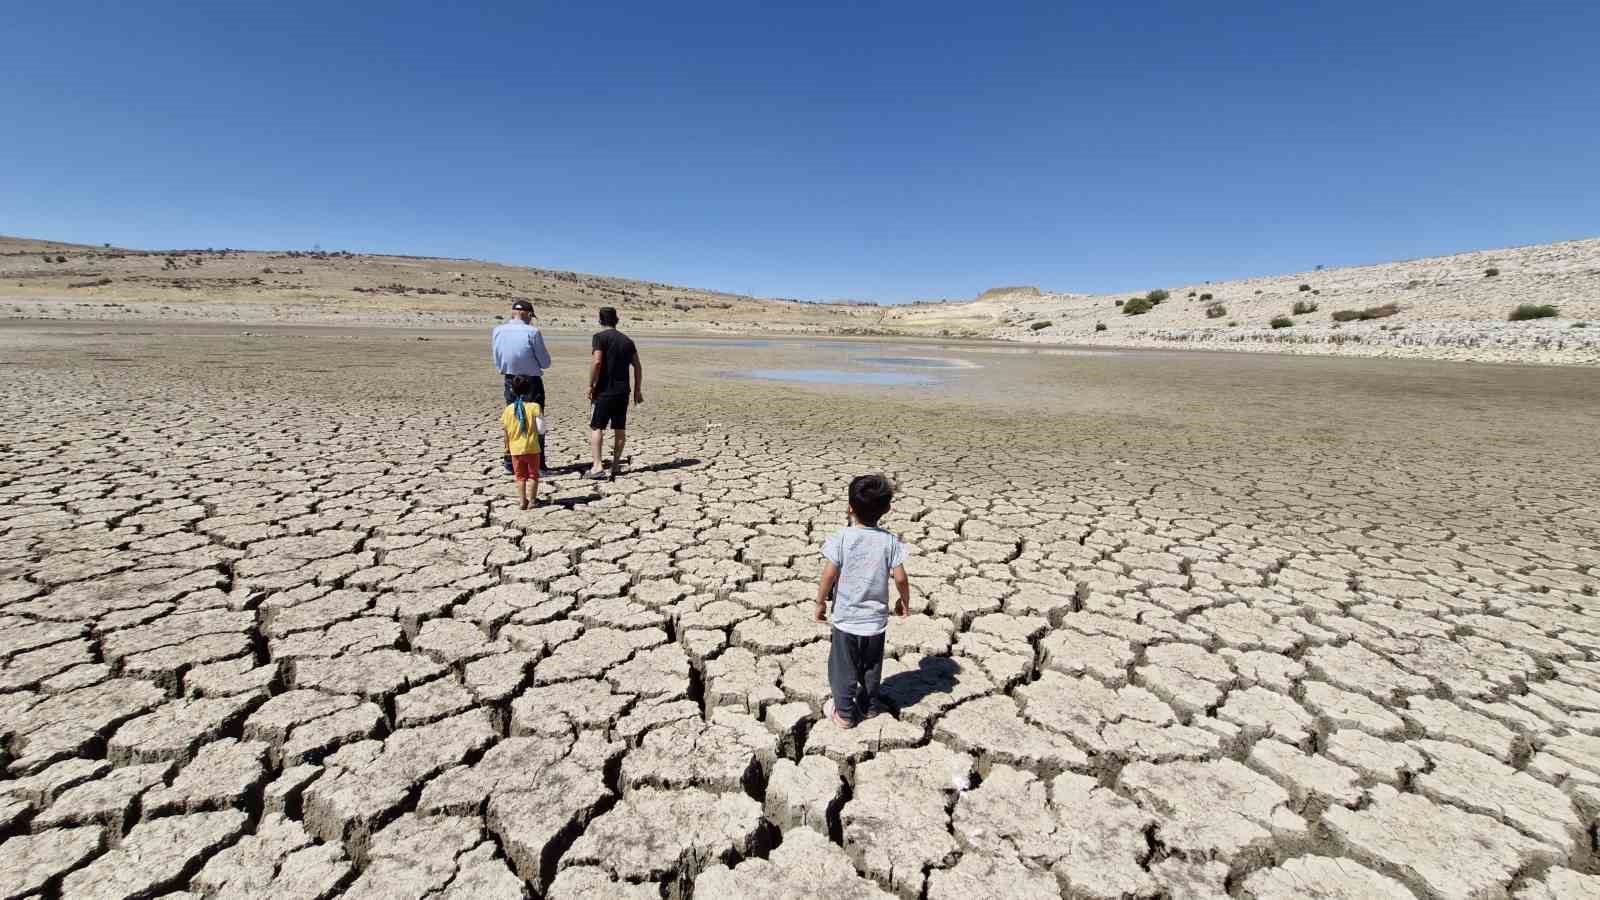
1491 272
1232 323
1040 326
1138 306
1216 311
1119 302
1305 287
1157 296
1099 326
1281 322
1580 324
1362 315
1526 311
1205 298
1302 307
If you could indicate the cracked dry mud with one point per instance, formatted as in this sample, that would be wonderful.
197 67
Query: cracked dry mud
271 626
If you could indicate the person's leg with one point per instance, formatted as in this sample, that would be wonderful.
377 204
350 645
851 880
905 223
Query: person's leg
536 394
621 438
871 673
507 396
597 435
533 479
841 678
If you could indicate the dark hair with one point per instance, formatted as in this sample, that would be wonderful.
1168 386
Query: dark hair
522 386
608 316
870 496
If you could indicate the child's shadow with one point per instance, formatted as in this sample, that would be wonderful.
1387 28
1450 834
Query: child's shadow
933 675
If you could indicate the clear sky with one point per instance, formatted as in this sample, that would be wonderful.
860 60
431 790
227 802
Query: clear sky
813 150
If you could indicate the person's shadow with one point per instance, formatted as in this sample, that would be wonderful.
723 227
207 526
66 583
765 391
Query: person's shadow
933 675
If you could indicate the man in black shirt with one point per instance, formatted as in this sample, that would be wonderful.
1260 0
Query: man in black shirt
614 354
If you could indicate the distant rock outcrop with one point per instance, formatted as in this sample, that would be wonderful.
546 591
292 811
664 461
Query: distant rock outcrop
1001 293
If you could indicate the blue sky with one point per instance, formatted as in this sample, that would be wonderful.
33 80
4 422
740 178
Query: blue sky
876 151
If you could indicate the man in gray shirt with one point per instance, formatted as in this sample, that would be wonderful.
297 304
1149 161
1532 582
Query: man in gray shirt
519 350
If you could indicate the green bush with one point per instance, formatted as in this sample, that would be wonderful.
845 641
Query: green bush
1157 296
1040 326
1305 287
1527 311
1099 326
1490 272
1138 306
1301 307
1281 322
1216 311
1371 312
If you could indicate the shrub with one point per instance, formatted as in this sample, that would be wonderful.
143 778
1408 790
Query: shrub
1040 326
1281 322
1371 312
1305 287
1204 297
1191 293
1490 272
1580 324
1216 311
1119 302
1157 296
1526 311
1301 307
1232 324
1099 326
1138 306
61 259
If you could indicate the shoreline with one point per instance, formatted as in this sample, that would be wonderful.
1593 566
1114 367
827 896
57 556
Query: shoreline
1540 343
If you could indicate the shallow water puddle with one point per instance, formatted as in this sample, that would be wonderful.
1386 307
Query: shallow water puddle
832 376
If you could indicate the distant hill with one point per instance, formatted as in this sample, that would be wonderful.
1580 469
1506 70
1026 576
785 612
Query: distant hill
313 285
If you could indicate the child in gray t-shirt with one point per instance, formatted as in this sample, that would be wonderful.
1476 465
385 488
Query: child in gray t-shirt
859 563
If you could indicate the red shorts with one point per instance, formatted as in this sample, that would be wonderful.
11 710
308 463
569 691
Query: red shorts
526 466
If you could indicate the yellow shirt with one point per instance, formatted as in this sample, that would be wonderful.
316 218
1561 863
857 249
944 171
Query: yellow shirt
521 444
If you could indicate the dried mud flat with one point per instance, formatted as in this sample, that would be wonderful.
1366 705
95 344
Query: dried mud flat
1186 625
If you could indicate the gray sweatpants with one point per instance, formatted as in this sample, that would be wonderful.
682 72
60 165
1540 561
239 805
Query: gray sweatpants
855 664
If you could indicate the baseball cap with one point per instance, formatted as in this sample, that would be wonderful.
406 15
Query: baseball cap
522 306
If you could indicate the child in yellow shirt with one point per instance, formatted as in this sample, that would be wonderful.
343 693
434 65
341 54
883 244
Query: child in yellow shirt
523 424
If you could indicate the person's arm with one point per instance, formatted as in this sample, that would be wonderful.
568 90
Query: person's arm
830 577
540 354
638 379
903 585
597 359
504 434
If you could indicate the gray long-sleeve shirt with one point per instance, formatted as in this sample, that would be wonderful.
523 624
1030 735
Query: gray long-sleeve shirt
519 349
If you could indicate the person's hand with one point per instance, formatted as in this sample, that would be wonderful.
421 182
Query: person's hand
822 612
902 608
638 398
591 393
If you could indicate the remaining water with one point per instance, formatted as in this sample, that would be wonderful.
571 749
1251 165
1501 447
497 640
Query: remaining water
833 376
915 362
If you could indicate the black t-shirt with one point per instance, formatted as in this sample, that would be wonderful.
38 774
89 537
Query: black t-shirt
616 356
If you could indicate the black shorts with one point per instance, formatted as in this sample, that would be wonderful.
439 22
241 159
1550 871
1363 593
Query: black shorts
610 412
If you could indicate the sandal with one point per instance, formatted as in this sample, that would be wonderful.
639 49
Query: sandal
832 712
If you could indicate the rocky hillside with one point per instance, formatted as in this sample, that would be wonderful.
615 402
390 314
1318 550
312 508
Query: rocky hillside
1450 306
45 278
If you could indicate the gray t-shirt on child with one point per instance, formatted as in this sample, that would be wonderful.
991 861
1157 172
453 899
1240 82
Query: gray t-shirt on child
865 557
